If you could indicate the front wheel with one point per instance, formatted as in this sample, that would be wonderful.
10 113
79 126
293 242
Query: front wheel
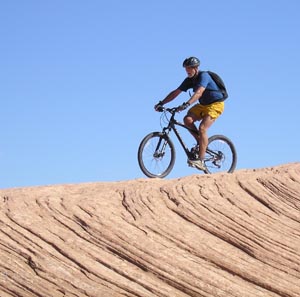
156 155
220 155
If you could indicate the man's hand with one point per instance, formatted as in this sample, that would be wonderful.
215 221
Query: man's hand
183 106
159 106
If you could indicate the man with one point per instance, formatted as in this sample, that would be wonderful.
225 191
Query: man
209 107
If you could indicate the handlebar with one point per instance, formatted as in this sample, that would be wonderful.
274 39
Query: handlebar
172 110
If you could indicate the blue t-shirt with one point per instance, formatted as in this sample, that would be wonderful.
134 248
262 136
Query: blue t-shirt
203 79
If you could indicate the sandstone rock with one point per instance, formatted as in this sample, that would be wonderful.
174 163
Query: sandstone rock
202 235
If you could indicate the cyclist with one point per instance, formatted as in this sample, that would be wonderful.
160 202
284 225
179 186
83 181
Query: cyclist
209 107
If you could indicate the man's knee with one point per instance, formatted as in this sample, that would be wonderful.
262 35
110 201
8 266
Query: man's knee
205 124
188 120
202 129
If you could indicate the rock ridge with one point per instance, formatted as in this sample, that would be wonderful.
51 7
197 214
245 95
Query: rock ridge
201 235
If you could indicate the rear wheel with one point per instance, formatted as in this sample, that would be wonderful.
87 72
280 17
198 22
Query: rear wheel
156 155
220 155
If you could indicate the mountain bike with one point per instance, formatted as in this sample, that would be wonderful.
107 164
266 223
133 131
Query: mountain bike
156 152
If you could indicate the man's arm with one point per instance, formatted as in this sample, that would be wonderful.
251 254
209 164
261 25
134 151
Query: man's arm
171 96
196 96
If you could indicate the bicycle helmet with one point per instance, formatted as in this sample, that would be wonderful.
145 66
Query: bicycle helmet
191 62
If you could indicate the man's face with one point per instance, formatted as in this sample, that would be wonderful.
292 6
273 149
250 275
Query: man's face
191 71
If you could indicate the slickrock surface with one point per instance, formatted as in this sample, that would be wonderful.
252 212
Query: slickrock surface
202 235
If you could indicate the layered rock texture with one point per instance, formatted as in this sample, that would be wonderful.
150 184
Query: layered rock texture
234 235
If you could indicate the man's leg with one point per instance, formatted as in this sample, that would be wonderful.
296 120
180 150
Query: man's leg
189 121
203 138
211 112
203 142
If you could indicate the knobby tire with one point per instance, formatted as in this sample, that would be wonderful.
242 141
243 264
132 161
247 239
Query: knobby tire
156 155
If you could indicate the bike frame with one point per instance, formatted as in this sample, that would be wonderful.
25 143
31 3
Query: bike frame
172 126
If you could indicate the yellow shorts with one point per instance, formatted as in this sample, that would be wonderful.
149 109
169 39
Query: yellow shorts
214 110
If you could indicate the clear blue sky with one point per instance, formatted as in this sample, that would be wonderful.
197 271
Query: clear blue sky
79 80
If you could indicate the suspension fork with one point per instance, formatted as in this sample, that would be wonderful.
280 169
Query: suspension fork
160 150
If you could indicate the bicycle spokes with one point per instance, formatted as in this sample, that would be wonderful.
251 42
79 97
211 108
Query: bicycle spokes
161 148
156 155
220 155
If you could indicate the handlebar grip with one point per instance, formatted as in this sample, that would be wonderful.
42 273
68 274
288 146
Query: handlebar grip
160 108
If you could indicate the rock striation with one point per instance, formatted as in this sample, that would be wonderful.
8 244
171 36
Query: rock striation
234 235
